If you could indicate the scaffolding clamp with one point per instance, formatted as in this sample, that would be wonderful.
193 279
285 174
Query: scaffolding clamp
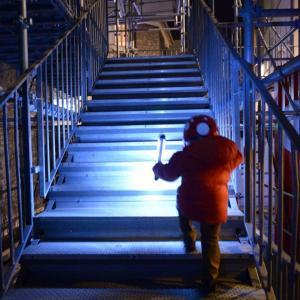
25 22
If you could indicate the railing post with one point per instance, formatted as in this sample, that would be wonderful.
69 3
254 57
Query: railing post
84 63
117 26
247 14
26 122
183 26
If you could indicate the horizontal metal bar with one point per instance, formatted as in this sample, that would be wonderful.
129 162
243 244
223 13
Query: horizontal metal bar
287 69
146 30
295 23
278 12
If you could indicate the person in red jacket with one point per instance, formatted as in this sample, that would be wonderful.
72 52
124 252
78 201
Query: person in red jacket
205 165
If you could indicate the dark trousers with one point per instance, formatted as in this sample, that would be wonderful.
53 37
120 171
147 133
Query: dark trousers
210 235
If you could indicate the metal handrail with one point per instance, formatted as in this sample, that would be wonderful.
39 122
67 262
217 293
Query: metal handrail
288 128
41 114
238 96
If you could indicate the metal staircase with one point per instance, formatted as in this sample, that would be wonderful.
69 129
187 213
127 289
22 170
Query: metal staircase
108 222
109 230
46 21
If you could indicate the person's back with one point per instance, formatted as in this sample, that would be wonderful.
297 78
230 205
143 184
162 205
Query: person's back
205 165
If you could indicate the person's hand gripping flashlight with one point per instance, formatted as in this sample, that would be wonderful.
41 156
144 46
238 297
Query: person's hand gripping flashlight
161 140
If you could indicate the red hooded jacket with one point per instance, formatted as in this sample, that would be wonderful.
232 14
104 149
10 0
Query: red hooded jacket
205 166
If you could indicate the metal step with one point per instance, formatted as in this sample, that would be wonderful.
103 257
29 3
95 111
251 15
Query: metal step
148 82
183 57
149 65
75 190
147 207
127 218
156 92
151 261
128 133
120 152
141 117
191 72
104 168
101 251
148 103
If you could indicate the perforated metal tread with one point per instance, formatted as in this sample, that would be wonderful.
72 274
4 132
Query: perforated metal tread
121 208
129 133
150 58
160 80
149 91
129 250
142 117
224 291
149 64
151 73
199 102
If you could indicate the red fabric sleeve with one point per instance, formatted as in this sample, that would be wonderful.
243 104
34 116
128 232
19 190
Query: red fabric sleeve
172 170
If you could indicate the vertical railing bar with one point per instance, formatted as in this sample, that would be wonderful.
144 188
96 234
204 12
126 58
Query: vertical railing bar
1 258
92 33
27 154
254 159
295 221
41 141
80 67
77 68
47 121
84 64
72 61
63 95
18 167
98 10
8 186
58 103
67 86
52 112
261 178
248 156
280 211
270 200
